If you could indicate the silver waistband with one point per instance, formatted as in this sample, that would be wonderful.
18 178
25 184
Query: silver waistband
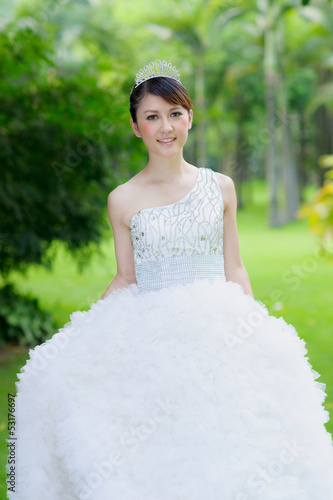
176 270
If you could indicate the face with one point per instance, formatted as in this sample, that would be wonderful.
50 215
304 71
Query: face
162 126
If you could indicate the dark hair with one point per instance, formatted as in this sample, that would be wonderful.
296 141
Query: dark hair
167 88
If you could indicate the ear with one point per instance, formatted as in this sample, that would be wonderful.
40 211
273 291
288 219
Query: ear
135 128
190 119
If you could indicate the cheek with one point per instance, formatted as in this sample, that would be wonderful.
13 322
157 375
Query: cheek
184 122
146 128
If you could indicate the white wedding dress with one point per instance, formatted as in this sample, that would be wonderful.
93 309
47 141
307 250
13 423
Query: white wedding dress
178 388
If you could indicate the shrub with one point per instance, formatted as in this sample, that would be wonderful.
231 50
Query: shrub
21 319
320 210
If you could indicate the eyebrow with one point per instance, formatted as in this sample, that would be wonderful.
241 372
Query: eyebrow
155 111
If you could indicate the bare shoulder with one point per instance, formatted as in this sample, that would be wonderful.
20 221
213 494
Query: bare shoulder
118 195
116 199
227 187
120 199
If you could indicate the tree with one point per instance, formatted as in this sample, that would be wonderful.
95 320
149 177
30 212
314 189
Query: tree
59 151
199 26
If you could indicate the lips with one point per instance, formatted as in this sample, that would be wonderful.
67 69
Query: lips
167 140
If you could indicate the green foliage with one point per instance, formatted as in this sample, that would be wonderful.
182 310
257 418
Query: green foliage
21 320
320 210
307 2
63 147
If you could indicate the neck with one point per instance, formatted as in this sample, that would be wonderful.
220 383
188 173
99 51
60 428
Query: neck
165 169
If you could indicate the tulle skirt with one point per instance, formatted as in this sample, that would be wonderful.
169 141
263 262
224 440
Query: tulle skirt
192 392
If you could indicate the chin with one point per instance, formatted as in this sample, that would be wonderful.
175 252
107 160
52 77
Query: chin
173 150
169 154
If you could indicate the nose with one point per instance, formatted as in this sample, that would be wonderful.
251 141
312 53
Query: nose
166 125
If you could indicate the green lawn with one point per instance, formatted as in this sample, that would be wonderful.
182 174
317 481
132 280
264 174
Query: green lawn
285 274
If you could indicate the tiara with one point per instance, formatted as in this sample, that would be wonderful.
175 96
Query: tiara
157 68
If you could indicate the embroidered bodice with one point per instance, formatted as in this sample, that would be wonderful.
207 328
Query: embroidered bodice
182 241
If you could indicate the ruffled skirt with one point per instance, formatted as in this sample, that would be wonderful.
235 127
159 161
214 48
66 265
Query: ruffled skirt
192 392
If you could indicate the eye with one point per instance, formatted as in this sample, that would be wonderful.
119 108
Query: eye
176 113
151 117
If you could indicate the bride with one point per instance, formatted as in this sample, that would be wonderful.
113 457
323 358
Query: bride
176 384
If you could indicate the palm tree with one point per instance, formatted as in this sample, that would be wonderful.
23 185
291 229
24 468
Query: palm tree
281 165
199 26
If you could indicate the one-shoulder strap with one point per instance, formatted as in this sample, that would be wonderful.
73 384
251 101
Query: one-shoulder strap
212 184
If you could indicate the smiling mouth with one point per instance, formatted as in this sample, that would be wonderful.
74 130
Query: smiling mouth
166 141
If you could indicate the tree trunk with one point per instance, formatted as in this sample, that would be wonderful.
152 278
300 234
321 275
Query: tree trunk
240 170
201 105
324 125
272 166
302 154
324 135
288 167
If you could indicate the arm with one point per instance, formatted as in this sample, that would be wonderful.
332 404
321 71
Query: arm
234 267
122 242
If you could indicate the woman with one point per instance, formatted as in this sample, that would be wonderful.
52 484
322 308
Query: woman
161 116
176 385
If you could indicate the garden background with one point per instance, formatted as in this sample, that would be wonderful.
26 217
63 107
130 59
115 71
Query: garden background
260 74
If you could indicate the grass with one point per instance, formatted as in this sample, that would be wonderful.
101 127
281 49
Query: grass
285 272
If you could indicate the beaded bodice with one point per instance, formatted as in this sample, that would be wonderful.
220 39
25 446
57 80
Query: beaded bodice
182 241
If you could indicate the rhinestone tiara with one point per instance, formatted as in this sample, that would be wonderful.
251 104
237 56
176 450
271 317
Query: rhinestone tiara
157 68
